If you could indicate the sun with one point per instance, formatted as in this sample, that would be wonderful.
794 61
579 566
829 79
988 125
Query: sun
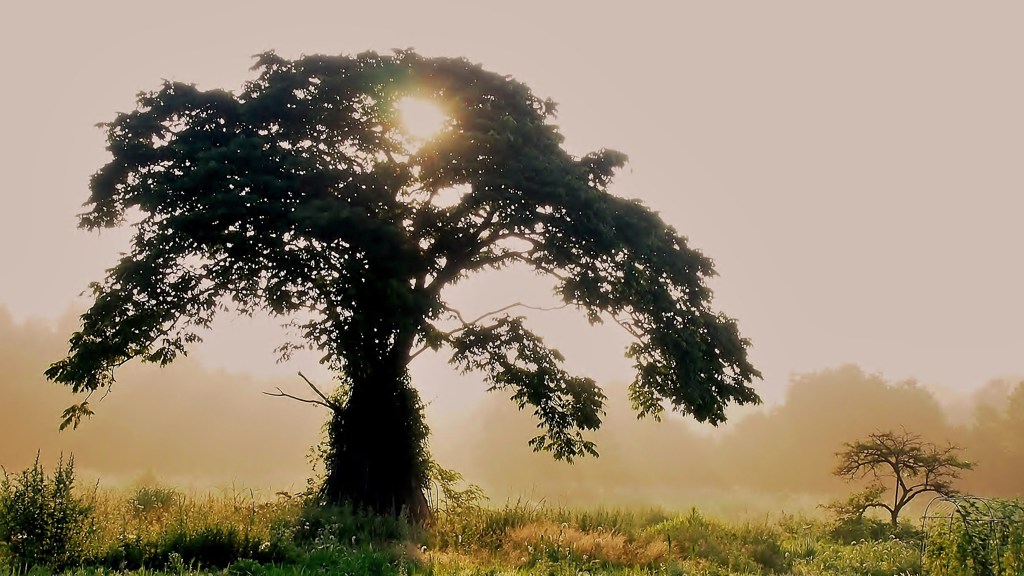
421 119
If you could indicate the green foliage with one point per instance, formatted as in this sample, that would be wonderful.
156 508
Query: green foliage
42 521
288 537
444 487
481 528
618 519
516 359
72 415
854 529
850 524
749 547
333 526
865 558
158 527
211 546
982 538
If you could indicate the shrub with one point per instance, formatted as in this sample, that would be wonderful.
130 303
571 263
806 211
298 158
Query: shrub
858 529
42 522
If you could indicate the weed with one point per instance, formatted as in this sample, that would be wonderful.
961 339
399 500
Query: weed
42 522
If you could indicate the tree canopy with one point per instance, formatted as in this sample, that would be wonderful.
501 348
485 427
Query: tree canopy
301 196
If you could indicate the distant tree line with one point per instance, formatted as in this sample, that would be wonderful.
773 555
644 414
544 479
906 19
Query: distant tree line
787 448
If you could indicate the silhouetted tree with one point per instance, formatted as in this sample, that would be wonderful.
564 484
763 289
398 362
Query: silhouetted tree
302 197
909 464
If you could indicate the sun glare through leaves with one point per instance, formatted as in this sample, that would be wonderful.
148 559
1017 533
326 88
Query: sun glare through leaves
421 119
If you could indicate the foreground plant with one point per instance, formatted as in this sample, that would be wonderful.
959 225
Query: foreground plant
42 520
980 537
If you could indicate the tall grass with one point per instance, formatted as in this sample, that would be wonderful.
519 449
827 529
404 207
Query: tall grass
155 529
154 526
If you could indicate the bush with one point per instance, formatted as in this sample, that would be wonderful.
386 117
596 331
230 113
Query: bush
852 530
42 522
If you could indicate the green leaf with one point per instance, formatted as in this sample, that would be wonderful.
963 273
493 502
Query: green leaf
73 414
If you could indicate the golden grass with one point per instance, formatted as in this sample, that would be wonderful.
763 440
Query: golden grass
152 514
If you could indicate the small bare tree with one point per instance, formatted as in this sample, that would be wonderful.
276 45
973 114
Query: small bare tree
900 459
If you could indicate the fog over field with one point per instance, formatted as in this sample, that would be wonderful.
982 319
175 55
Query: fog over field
203 428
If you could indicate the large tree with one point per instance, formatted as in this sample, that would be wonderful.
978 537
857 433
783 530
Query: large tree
302 197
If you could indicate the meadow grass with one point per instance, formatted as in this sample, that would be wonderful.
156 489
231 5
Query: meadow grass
160 530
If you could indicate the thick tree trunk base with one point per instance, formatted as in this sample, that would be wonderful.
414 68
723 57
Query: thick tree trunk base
375 451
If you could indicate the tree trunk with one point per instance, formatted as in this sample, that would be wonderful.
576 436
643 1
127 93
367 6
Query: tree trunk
375 453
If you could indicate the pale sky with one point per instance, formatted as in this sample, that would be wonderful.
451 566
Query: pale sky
854 169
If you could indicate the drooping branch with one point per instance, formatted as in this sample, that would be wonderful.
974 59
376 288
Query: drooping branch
515 359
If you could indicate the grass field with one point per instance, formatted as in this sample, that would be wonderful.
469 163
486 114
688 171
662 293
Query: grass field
161 530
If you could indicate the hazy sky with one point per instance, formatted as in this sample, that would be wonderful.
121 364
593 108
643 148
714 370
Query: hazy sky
854 169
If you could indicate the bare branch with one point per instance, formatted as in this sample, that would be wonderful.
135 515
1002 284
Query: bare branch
282 394
324 401
468 323
323 396
509 307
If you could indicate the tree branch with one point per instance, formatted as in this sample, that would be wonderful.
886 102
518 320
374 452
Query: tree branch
282 394
319 393
324 401
877 505
455 264
627 326
468 323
